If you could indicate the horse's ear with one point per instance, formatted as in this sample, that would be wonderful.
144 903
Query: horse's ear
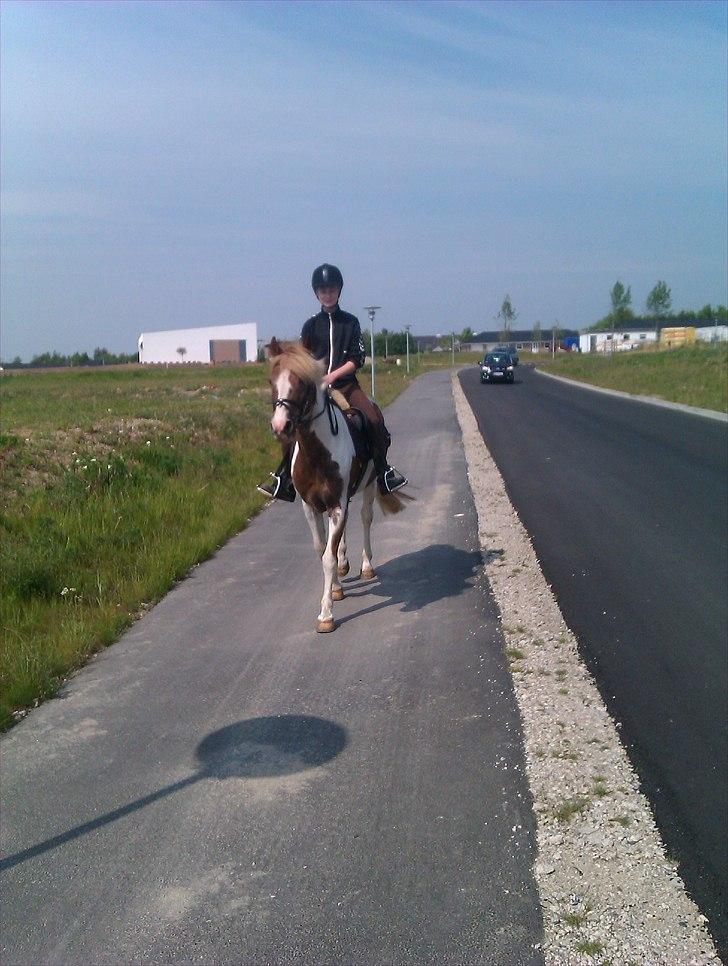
274 348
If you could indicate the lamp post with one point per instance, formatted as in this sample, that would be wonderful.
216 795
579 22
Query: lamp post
407 331
372 310
452 349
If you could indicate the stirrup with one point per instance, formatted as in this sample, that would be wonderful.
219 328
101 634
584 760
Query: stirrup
391 480
277 490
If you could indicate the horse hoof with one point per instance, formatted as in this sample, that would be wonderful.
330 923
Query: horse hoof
337 593
343 571
325 627
368 574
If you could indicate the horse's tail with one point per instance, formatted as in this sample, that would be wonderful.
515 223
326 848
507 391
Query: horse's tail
393 502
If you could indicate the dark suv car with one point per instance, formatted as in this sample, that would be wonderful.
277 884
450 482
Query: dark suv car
511 352
497 367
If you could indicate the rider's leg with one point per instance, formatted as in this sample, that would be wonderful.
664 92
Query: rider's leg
388 478
281 486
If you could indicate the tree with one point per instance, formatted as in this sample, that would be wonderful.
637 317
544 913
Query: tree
536 334
467 335
621 299
182 352
659 302
507 315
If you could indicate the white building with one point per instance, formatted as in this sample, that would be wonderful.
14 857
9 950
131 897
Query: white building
712 333
211 343
621 340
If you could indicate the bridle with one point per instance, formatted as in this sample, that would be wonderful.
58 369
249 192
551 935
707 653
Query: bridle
301 414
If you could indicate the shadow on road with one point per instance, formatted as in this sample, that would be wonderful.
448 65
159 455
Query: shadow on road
254 748
417 579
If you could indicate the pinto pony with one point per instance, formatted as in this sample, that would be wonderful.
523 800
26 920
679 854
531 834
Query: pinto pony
328 466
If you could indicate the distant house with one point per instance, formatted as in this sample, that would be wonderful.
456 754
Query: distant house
520 339
211 343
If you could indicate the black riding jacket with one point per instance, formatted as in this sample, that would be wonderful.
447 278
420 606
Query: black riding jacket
335 338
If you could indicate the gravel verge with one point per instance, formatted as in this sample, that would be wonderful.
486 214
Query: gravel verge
609 893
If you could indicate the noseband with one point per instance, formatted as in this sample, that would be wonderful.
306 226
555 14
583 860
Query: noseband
301 414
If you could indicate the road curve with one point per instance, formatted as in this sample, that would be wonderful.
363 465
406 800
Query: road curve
626 507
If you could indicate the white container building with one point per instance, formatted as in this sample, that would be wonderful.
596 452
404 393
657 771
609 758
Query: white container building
620 341
210 343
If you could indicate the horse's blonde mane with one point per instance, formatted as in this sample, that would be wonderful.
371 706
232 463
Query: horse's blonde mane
298 360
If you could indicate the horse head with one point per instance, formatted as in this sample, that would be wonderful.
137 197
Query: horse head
295 377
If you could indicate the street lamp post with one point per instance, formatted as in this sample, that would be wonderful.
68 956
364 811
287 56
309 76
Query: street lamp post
407 331
452 349
372 310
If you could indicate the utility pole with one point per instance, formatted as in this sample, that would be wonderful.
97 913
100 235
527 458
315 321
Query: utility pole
452 349
407 331
372 310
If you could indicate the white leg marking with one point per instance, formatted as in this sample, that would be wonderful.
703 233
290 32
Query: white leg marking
342 560
367 515
337 521
318 532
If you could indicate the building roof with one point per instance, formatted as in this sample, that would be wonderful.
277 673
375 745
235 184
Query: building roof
518 335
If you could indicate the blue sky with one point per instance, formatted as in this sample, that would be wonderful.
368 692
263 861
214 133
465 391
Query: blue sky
169 164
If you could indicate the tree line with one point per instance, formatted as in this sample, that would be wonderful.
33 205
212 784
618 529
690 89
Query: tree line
55 360
658 310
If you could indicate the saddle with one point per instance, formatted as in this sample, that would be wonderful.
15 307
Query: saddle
358 425
359 428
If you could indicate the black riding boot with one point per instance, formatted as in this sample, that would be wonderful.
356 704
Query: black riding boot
281 486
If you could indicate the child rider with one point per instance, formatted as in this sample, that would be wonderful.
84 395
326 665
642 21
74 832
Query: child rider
335 336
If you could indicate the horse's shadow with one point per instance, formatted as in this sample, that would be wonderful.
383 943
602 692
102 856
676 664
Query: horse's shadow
417 579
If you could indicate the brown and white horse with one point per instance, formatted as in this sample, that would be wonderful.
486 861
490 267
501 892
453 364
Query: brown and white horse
326 469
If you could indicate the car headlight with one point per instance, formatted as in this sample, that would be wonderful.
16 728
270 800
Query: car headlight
509 368
486 368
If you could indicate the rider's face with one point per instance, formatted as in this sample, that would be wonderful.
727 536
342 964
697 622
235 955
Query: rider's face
328 297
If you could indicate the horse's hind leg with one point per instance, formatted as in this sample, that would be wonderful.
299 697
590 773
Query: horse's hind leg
337 522
342 561
367 515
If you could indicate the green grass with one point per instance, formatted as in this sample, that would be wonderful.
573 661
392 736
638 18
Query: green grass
591 947
115 482
696 375
573 806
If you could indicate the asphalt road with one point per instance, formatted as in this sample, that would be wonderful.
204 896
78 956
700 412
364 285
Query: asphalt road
225 785
626 506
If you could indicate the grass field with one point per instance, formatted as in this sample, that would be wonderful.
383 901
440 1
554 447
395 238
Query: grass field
115 482
696 375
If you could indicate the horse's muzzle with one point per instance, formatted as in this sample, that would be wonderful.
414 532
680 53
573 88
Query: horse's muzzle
285 431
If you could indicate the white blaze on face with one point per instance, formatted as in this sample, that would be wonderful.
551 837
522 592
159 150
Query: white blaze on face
283 391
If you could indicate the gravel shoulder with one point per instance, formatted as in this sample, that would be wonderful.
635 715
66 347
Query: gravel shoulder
609 893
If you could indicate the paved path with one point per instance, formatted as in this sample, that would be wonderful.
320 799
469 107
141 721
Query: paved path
224 785
626 507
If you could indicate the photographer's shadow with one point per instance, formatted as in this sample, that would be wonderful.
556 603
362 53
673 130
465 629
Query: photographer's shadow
417 579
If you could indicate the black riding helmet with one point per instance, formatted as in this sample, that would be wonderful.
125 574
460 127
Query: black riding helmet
326 275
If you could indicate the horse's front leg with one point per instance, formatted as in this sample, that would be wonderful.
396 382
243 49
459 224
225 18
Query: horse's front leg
367 515
332 587
317 527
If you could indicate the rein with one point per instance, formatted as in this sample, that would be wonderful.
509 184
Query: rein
303 416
